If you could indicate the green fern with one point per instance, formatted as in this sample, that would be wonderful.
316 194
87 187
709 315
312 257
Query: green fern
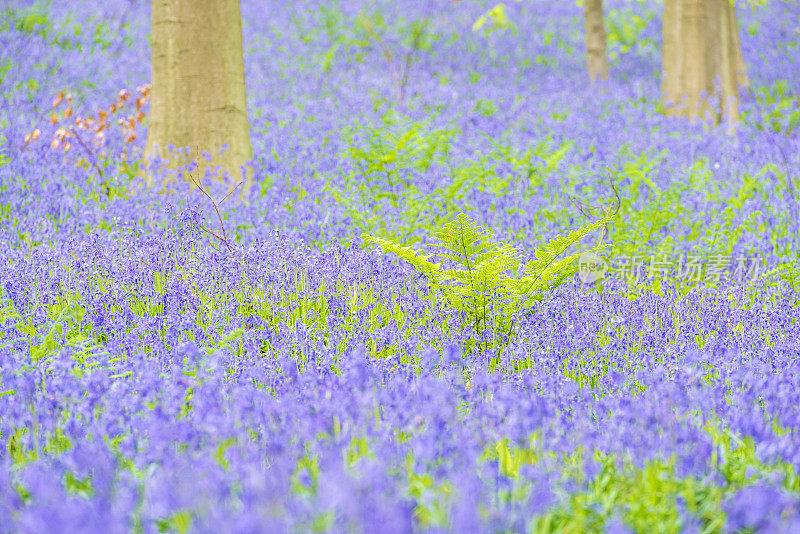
545 273
410 254
477 276
479 279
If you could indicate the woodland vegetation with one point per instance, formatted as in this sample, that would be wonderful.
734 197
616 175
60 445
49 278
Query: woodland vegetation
418 266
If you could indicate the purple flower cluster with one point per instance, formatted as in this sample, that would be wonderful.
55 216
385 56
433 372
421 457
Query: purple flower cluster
304 382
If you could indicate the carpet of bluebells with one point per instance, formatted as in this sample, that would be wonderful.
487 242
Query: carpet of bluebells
154 379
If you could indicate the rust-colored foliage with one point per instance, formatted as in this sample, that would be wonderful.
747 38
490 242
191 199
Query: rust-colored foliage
96 124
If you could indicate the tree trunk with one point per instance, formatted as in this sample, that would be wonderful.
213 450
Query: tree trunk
198 90
702 60
596 59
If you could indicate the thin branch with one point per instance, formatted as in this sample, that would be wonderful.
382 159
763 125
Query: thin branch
212 232
231 192
616 194
224 237
89 152
583 207
414 45
602 236
387 55
209 240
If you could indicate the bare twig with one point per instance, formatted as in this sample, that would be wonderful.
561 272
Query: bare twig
409 56
224 237
89 152
211 232
231 192
399 77
585 207
387 55
608 209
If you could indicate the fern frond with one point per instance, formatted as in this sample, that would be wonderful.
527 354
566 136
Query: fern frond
554 248
461 239
550 277
546 272
413 256
504 257
542 274
481 282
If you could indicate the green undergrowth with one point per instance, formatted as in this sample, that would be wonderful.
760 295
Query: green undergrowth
625 32
66 34
387 161
351 39
390 163
778 109
484 282
295 303
478 278
655 224
636 494
640 495
4 158
387 196
367 309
